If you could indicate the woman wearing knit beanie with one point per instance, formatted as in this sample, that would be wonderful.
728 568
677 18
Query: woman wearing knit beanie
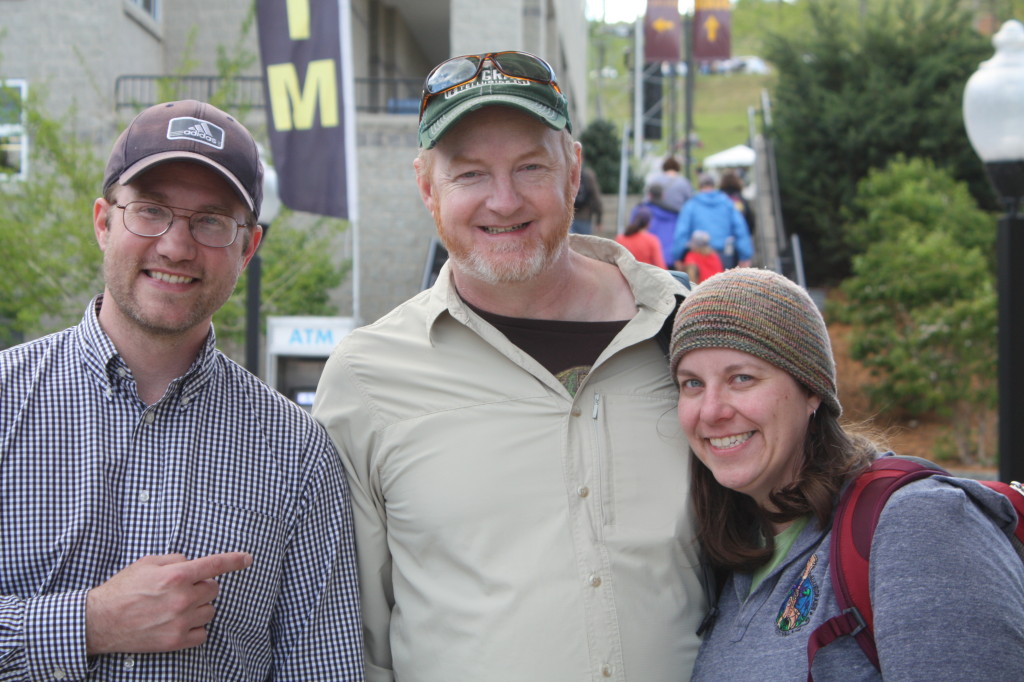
759 405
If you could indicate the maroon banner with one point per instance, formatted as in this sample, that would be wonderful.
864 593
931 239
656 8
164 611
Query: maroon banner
712 30
662 31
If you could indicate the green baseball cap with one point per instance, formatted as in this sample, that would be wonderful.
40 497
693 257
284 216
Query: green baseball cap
491 87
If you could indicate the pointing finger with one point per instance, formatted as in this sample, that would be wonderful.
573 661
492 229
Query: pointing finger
214 565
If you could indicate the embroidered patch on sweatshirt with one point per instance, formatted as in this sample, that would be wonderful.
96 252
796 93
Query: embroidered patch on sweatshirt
800 602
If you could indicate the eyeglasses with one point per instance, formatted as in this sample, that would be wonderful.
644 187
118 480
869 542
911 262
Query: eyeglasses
457 71
146 219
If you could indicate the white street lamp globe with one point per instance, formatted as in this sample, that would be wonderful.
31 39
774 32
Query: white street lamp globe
271 200
994 99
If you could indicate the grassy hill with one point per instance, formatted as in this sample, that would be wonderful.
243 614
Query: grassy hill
720 102
720 105
720 109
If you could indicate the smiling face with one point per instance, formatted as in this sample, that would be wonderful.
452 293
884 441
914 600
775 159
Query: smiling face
746 419
169 285
500 186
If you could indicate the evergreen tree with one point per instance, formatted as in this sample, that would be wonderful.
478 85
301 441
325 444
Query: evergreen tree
602 152
854 92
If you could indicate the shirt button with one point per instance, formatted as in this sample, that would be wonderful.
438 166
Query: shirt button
607 670
583 491
576 412
186 400
148 418
58 674
122 372
595 581
144 496
129 663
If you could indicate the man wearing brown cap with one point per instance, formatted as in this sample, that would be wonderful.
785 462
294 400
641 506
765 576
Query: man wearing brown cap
519 482
167 516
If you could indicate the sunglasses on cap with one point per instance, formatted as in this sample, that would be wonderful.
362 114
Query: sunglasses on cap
457 71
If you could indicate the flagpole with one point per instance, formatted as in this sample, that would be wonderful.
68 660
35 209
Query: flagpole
638 88
351 151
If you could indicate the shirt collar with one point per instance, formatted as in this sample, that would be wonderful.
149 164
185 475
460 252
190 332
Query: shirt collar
654 289
101 358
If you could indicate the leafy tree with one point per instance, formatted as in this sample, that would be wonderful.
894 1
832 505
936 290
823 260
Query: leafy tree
298 274
922 300
51 261
855 91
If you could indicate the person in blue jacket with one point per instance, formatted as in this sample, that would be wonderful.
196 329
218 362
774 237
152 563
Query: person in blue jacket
713 211
663 219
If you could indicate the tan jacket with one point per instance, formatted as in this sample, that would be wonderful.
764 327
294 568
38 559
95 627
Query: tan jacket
506 530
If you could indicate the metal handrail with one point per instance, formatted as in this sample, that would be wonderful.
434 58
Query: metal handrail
239 93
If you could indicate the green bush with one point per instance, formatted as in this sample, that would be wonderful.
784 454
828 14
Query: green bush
915 195
922 300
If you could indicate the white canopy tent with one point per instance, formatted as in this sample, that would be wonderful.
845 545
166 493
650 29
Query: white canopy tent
740 156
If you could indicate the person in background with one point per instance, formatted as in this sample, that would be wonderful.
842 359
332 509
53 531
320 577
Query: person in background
701 261
676 189
166 515
713 212
588 207
508 433
758 402
732 184
663 220
642 244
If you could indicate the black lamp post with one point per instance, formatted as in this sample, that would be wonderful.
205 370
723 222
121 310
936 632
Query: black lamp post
271 207
994 117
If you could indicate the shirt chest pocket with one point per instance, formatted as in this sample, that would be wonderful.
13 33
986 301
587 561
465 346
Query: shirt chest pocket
644 462
246 597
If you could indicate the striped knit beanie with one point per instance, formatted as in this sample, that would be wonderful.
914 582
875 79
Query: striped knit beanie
766 315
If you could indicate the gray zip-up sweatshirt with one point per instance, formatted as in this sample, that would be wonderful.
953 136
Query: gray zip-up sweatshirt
947 591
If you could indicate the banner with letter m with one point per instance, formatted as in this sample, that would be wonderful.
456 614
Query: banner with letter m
305 50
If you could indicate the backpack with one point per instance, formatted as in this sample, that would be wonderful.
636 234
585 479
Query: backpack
582 194
664 336
853 528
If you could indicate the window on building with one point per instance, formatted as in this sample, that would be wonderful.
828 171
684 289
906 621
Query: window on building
150 7
13 139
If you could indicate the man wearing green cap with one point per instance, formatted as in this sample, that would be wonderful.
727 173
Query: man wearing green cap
519 480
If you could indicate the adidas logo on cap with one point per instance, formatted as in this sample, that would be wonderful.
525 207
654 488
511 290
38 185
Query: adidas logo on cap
196 129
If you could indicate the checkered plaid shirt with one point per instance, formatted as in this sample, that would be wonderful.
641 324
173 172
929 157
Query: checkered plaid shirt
92 479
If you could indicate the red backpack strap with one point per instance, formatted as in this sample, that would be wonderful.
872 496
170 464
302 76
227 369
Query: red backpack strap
853 527
1015 493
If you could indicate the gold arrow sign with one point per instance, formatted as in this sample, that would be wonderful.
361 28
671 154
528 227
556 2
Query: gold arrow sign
711 28
662 25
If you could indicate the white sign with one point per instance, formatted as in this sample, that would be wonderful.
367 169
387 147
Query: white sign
306 336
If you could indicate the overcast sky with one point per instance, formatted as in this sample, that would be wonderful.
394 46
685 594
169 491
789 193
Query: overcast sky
624 10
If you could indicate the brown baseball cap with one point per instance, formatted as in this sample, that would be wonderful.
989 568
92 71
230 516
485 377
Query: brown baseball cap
189 130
